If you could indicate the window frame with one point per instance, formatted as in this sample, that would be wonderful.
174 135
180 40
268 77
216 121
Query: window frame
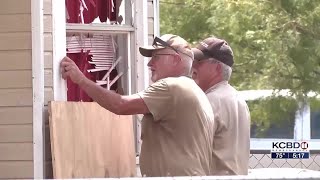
135 28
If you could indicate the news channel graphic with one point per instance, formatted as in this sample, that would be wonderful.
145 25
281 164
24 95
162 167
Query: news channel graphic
290 150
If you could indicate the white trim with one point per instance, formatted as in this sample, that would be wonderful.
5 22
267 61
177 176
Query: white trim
302 127
141 37
129 63
156 17
111 29
38 87
140 20
59 48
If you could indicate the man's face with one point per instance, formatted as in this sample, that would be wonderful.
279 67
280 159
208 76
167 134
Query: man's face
204 71
162 63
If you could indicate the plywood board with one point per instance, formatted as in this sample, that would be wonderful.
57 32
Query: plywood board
88 141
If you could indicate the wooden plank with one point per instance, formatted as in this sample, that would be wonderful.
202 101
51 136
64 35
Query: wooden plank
15 41
15 23
15 115
15 7
16 79
48 59
16 169
48 41
150 26
47 7
150 39
150 10
48 95
15 60
16 151
16 133
88 141
16 97
48 79
47 24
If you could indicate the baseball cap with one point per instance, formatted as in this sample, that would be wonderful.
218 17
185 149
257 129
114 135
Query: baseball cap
174 42
216 48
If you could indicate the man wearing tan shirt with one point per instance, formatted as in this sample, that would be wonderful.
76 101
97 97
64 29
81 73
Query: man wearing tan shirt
212 71
177 127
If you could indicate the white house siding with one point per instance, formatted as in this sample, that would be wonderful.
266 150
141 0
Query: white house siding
16 148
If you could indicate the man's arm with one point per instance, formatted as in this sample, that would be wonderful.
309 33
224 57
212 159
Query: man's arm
121 105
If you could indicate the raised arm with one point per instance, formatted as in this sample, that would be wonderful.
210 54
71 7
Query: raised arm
121 105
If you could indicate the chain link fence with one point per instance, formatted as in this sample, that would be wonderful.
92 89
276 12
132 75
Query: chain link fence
265 161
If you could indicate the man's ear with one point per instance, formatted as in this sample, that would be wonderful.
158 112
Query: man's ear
219 68
177 60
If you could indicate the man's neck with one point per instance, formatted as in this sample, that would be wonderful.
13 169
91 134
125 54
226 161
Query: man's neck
212 83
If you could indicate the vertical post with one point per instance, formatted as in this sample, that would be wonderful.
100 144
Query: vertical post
141 39
59 48
302 122
38 87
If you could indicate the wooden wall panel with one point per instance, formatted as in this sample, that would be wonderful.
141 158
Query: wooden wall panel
48 60
15 41
48 78
16 79
16 141
15 115
88 141
16 169
15 7
16 97
15 23
16 151
17 60
47 42
16 133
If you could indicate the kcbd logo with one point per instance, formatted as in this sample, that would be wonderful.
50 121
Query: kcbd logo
289 145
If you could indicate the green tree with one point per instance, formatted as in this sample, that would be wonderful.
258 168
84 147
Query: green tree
276 43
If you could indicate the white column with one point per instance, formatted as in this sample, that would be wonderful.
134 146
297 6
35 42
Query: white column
38 87
302 122
59 48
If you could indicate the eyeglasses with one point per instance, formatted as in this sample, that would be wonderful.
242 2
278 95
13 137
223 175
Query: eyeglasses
159 42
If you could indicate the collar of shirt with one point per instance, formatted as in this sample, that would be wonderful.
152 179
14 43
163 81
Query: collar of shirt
221 83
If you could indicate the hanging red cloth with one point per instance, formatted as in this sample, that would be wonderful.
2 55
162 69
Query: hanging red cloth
73 10
92 12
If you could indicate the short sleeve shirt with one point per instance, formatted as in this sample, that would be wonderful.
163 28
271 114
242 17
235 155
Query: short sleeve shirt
177 133
231 143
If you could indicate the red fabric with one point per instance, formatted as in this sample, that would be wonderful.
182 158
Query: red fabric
96 8
113 14
92 12
73 8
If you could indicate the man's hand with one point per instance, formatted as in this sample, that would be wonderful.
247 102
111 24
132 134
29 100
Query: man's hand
71 70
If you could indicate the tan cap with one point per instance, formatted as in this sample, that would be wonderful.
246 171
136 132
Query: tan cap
171 41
